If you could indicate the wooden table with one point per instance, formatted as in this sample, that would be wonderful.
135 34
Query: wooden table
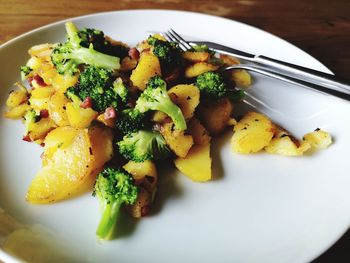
320 27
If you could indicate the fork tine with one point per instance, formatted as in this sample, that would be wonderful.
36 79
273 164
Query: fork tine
171 38
180 39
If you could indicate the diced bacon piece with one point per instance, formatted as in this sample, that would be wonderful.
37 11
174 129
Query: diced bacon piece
87 103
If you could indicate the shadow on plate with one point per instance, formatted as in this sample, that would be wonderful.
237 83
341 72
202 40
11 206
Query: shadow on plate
168 186
216 147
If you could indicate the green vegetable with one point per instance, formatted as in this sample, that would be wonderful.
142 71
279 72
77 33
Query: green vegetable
29 118
113 188
97 83
143 145
167 52
235 95
72 94
155 97
95 37
69 55
201 48
131 120
211 85
25 70
120 89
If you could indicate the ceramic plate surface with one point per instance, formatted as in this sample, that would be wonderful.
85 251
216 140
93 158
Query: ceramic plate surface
259 208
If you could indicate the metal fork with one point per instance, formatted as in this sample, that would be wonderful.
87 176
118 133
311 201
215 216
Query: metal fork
171 35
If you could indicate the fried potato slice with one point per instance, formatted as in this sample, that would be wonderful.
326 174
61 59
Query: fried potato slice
147 67
199 133
68 166
197 163
72 157
252 133
195 56
179 142
215 115
285 145
198 68
318 139
186 96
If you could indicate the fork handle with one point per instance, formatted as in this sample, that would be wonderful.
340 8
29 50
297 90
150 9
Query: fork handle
303 73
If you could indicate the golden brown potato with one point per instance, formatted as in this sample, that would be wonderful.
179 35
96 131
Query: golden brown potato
186 96
252 133
48 74
194 56
198 68
62 82
199 133
39 130
215 115
57 109
147 67
197 163
40 96
79 117
229 60
318 139
144 174
178 141
17 97
285 145
41 51
39 104
68 166
101 139
142 205
17 112
242 78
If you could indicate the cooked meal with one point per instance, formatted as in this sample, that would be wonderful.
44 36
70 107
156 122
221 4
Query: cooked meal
106 114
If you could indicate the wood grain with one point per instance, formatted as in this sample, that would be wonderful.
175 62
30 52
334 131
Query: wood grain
320 27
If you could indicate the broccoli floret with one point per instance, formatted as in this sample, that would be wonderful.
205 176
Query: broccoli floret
155 97
72 93
131 120
113 187
96 83
167 52
211 85
69 55
143 145
120 89
29 118
201 48
25 70
95 37
235 95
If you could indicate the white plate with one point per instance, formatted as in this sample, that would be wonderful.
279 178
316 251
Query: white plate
260 208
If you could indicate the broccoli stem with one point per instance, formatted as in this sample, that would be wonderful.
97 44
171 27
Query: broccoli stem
107 223
92 57
175 114
89 56
72 32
